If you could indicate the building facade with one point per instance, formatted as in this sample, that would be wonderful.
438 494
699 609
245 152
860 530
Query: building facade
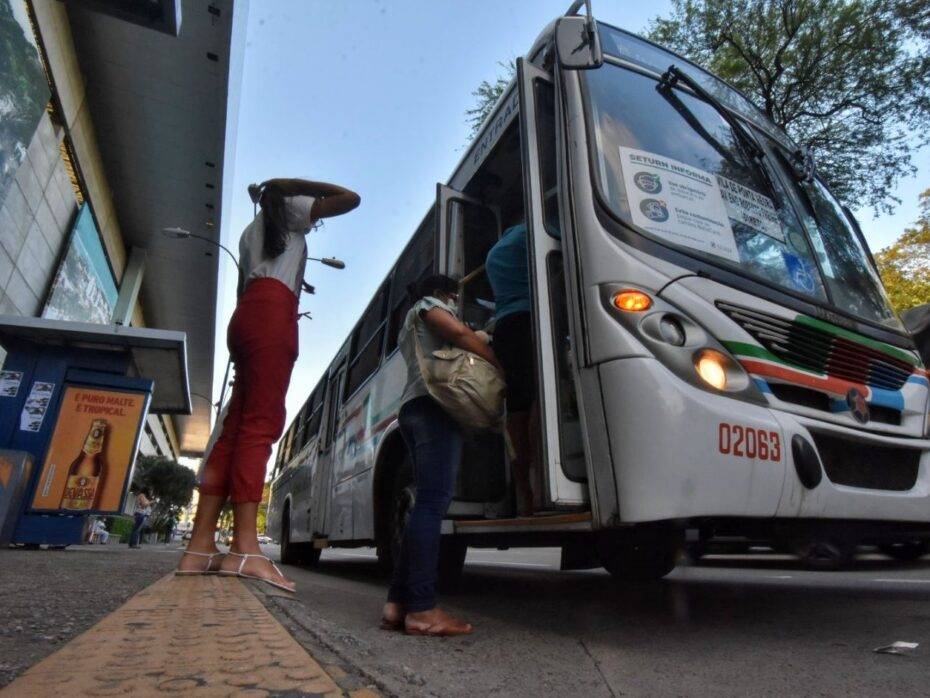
113 127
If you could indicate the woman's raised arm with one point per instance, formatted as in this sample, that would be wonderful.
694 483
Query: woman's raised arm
331 199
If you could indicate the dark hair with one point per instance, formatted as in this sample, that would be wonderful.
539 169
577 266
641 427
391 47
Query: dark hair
431 284
270 196
274 214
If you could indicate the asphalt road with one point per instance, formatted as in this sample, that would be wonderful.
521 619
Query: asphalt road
741 625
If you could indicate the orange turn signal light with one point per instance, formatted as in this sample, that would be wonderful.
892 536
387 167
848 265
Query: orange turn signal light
632 301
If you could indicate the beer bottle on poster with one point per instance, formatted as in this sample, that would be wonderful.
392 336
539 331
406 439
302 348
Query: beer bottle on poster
88 473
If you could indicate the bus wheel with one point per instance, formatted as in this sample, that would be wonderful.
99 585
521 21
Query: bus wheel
404 494
906 551
397 504
643 555
295 553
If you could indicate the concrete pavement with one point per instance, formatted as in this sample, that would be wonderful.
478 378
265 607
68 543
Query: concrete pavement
191 636
747 625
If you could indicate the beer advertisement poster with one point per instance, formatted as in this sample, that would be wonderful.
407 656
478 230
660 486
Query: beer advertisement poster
92 450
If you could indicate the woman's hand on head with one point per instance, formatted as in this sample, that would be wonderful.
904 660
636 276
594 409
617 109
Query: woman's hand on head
331 199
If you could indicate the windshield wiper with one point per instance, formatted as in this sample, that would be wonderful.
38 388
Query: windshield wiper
746 141
669 95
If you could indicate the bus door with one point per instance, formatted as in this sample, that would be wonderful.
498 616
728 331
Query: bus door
468 229
327 517
562 451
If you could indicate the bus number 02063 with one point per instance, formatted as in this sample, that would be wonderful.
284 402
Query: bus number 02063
749 442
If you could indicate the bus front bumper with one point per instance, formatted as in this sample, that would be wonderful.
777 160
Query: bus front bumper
680 452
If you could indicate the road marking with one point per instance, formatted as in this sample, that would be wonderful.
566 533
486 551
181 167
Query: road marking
780 576
903 581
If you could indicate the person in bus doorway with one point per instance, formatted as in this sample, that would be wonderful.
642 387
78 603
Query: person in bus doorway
262 340
434 442
507 268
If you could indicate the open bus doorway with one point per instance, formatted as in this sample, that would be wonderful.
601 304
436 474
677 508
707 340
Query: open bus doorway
493 201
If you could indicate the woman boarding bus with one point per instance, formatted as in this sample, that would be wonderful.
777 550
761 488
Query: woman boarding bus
714 351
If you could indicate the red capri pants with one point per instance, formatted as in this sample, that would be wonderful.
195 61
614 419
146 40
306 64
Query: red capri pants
262 340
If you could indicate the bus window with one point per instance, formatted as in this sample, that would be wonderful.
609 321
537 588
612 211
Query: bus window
545 135
570 437
315 410
416 263
480 232
332 408
366 342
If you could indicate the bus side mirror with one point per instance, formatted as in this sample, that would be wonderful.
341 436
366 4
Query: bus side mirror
578 43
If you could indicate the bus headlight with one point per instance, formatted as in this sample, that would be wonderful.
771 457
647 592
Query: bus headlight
677 340
720 371
710 368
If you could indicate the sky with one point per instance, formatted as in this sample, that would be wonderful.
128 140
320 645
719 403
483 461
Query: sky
372 94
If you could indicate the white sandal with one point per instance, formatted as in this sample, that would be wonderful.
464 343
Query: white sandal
206 568
239 573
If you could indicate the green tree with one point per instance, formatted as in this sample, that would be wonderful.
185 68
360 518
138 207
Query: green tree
262 521
486 96
170 484
905 265
847 77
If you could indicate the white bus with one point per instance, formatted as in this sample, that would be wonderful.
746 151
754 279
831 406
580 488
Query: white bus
716 354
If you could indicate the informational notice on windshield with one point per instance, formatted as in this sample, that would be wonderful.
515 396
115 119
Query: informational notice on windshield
677 202
751 208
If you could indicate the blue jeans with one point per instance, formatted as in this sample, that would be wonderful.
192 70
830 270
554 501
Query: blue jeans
434 442
136 535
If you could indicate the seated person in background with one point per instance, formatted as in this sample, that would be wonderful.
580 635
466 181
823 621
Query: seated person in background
507 268
99 533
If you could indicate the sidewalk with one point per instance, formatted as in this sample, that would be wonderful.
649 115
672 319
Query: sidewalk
47 597
191 636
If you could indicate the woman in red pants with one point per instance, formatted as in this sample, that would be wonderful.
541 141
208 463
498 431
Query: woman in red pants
262 340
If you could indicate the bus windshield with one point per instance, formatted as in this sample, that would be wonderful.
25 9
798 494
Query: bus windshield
670 165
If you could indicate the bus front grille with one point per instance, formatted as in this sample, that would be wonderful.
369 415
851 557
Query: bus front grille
867 465
808 347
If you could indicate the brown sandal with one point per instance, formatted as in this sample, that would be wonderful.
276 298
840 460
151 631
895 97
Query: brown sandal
446 626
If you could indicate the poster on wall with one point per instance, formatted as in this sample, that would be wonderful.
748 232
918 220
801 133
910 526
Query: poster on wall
84 289
37 404
24 91
93 447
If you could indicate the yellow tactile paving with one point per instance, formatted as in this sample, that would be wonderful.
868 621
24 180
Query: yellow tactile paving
188 636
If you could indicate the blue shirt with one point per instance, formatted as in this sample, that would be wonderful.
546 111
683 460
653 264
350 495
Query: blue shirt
508 271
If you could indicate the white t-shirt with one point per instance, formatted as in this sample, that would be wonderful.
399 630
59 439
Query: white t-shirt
288 267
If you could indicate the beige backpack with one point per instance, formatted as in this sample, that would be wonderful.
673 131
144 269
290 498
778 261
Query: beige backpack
469 388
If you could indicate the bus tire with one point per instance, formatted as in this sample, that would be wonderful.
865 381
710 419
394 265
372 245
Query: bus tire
403 496
907 550
645 554
398 502
295 553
